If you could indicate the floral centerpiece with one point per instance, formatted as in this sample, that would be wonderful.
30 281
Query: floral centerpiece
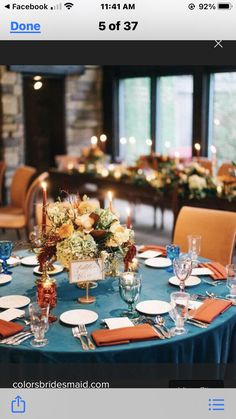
196 182
79 229
92 155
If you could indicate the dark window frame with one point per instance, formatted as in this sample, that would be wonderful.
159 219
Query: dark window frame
201 99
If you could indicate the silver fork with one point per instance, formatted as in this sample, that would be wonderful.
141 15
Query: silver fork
214 284
77 335
14 338
83 331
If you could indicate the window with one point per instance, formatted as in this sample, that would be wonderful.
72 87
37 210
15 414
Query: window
222 121
134 118
173 100
174 115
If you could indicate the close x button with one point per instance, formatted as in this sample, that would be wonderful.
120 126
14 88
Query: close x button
24 28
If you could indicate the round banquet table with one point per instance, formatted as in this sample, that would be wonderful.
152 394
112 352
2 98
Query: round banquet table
216 344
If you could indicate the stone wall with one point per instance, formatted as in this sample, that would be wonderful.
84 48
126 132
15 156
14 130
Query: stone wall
83 111
12 121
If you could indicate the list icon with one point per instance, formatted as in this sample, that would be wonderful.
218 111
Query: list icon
216 404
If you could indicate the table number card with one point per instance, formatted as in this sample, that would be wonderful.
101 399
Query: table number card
86 271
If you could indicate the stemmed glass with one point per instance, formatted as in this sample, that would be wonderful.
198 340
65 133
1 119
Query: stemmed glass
129 287
35 238
182 269
172 252
39 324
5 253
179 311
231 281
194 248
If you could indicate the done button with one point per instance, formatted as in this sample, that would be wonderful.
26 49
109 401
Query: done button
17 27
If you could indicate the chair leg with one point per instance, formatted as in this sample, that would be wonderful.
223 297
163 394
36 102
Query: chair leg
154 217
3 230
18 234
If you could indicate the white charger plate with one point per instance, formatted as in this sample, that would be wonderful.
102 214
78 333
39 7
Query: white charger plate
30 261
153 307
80 316
149 254
190 282
14 301
158 262
57 270
13 261
4 279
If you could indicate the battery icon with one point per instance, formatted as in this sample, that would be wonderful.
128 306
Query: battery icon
225 6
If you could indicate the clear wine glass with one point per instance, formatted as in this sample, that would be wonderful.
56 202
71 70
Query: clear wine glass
179 311
129 287
5 253
39 324
231 281
194 248
182 269
35 237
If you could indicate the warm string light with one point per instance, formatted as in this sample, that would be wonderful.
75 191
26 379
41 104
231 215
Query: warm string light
94 140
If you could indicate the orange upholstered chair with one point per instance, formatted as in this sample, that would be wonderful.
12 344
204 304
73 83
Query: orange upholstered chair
224 169
217 228
204 162
25 219
2 174
19 186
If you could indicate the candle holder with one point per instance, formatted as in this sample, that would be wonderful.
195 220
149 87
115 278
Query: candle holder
87 299
47 293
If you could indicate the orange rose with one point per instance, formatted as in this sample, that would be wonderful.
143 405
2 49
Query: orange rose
65 231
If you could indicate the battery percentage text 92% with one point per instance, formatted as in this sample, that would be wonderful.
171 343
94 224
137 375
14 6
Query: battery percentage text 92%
117 26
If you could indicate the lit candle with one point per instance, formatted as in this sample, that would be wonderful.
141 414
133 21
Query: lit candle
103 139
197 147
177 156
94 140
149 144
213 160
44 192
167 147
110 196
70 167
128 222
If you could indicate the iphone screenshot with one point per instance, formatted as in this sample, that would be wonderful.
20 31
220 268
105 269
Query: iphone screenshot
117 209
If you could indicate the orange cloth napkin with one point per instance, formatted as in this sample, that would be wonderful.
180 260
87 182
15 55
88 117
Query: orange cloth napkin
123 335
9 328
218 270
210 309
153 247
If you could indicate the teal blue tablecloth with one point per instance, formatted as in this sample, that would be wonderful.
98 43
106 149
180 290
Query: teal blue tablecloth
216 344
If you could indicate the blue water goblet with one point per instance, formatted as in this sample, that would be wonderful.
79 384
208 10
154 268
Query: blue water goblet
172 252
5 253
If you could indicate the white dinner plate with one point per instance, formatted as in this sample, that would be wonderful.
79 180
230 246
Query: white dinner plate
14 301
75 317
13 261
30 261
4 279
190 282
57 270
201 271
153 307
149 254
158 262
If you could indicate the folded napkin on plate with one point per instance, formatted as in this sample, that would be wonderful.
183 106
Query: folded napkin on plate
9 328
122 335
218 270
210 309
153 247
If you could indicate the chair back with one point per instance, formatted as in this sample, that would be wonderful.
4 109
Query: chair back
217 228
29 208
19 186
2 174
224 169
204 162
